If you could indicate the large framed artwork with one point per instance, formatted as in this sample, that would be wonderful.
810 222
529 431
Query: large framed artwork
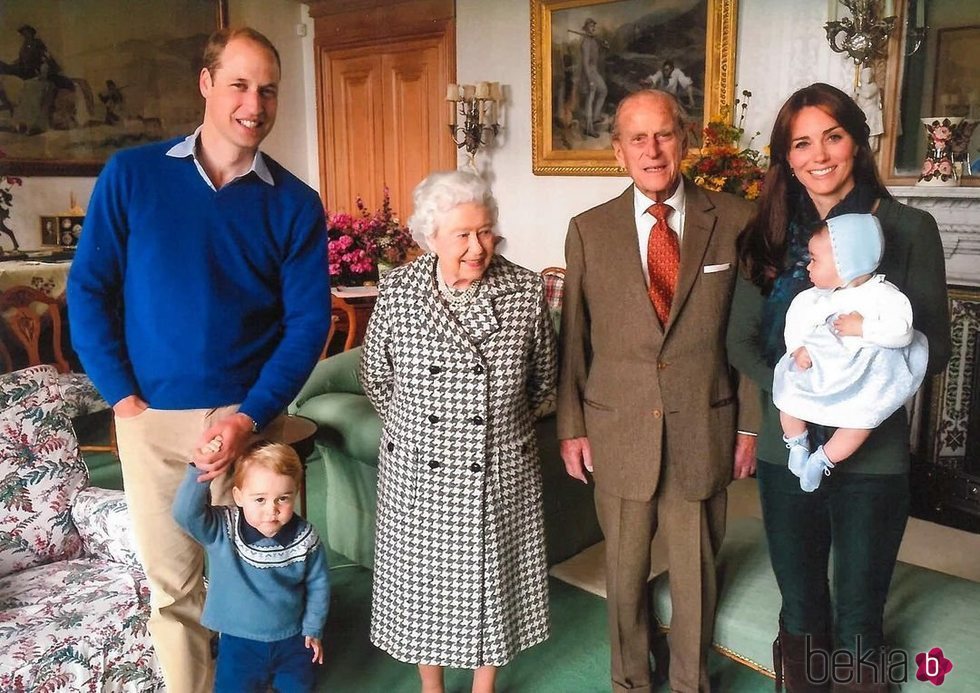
586 55
80 79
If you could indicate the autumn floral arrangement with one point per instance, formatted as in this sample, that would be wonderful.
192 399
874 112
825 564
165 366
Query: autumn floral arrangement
358 243
722 164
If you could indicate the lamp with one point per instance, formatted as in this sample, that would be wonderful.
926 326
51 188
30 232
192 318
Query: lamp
477 106
863 35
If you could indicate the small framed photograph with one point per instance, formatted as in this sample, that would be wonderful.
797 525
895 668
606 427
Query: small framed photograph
69 230
49 231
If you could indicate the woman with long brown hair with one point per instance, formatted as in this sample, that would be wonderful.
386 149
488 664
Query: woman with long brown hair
822 166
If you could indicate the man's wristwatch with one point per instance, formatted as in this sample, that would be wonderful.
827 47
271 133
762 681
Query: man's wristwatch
255 424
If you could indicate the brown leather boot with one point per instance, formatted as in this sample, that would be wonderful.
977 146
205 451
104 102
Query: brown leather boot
801 662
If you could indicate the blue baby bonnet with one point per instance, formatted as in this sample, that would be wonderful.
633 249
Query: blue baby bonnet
858 243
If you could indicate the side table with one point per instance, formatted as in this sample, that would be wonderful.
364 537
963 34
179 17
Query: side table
298 432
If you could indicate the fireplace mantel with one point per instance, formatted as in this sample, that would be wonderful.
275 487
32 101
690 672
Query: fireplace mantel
957 212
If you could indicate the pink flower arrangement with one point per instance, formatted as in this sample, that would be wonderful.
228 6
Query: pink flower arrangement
358 242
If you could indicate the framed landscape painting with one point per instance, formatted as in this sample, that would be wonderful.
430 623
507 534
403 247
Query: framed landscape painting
80 79
586 55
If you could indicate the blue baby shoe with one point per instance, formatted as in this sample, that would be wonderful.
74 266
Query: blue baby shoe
799 451
816 467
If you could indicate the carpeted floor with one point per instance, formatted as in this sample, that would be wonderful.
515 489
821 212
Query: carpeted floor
575 659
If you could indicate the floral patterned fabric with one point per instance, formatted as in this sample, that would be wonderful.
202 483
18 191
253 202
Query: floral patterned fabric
41 472
80 395
74 603
103 521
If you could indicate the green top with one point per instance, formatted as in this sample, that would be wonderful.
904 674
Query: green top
914 262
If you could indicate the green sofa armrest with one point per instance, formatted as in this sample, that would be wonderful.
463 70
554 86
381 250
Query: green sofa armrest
335 374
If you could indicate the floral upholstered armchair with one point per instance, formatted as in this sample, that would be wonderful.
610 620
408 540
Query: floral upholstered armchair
74 602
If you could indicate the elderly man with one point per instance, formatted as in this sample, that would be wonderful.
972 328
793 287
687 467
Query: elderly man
646 399
199 303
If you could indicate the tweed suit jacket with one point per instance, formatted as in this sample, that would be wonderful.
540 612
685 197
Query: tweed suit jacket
640 391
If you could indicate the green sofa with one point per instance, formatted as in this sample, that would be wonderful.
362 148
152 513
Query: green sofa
347 446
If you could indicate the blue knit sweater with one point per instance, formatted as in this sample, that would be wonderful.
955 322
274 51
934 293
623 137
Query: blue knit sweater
258 590
195 298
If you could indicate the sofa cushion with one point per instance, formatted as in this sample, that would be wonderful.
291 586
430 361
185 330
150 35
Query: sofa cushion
102 518
347 422
925 609
41 472
77 625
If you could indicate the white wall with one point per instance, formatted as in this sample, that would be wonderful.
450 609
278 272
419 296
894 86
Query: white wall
292 142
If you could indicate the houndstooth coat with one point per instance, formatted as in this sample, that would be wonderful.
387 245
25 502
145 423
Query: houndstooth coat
459 574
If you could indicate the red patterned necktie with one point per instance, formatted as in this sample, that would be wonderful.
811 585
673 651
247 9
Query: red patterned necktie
663 257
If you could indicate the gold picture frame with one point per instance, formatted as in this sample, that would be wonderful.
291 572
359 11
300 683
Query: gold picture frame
561 146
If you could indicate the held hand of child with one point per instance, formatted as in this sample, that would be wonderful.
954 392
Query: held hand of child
802 358
849 325
317 649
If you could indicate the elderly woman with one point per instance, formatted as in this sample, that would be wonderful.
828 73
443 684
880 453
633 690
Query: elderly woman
459 352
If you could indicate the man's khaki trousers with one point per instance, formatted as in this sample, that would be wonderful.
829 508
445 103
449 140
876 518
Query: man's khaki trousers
155 448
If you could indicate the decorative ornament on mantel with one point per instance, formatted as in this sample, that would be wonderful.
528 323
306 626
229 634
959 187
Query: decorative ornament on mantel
937 169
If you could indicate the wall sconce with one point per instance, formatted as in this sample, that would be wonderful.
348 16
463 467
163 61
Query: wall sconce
864 35
477 106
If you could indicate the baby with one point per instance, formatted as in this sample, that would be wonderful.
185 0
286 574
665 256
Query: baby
269 590
852 358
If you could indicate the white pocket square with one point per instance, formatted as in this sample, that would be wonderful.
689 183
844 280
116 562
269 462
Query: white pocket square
708 269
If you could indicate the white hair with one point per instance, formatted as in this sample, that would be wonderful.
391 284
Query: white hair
443 191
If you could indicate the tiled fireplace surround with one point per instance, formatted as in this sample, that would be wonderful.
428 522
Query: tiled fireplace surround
957 211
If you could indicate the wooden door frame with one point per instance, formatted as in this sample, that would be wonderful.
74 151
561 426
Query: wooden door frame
349 26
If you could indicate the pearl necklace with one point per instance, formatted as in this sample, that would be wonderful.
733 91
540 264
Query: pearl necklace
457 297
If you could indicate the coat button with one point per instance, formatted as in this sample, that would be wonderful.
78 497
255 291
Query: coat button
657 413
478 420
391 447
476 467
435 370
434 464
478 370
661 365
433 418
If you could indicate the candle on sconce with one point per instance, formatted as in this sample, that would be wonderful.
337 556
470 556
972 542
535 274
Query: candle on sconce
483 90
452 96
920 13
495 91
469 92
889 8
832 10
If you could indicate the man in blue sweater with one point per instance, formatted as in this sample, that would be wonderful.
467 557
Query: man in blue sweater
199 302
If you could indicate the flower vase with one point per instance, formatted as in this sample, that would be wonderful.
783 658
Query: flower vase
937 169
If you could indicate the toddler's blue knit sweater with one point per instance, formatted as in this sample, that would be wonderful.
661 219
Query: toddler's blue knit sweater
265 590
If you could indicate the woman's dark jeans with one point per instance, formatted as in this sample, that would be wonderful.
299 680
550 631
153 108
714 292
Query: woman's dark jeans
859 520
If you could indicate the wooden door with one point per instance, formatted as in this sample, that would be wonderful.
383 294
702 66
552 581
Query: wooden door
382 73
417 141
354 146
